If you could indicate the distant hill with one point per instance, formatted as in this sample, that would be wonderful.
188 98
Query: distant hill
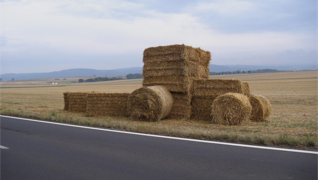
220 68
82 72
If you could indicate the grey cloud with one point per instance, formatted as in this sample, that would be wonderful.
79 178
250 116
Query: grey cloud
287 16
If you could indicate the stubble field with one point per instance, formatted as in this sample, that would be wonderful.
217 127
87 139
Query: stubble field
293 122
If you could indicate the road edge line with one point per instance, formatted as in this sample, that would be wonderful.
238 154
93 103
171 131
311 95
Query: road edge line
166 137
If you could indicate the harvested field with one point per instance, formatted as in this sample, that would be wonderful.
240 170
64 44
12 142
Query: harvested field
292 123
22 83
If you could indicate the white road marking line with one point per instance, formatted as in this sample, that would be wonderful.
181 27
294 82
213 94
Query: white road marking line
3 147
169 137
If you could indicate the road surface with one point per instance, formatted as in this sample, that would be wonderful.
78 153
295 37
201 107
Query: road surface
41 151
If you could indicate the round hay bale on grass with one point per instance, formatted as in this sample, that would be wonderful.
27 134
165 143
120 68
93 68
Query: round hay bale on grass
231 109
267 104
150 103
261 108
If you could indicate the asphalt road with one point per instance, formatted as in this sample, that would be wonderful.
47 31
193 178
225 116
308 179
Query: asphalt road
41 151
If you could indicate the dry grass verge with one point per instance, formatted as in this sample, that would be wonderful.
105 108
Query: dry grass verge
183 128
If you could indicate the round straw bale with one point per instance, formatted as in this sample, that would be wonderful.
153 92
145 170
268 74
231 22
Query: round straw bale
268 106
150 103
231 109
261 108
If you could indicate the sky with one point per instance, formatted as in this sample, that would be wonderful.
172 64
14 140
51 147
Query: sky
53 35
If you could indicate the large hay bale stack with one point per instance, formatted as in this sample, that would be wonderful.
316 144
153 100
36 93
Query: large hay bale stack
175 66
261 108
205 91
77 101
107 104
66 101
231 109
181 108
150 103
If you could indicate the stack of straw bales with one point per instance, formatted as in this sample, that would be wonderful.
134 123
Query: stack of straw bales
207 90
176 86
261 108
107 104
150 103
175 67
77 101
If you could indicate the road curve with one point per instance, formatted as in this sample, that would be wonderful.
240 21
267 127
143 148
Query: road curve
40 151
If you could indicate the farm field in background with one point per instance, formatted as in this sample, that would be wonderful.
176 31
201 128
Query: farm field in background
293 122
45 82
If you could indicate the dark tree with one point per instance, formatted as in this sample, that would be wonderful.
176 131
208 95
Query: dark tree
81 80
134 76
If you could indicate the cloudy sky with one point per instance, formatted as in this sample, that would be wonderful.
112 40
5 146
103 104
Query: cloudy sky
52 35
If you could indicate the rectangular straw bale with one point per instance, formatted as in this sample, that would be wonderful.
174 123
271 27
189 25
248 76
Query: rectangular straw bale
177 68
77 101
212 87
201 107
177 52
107 104
66 101
181 108
172 83
174 66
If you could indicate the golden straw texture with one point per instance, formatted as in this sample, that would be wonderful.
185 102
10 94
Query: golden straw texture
208 87
181 108
107 104
150 103
205 91
261 108
268 106
246 89
231 109
201 107
66 101
175 66
77 101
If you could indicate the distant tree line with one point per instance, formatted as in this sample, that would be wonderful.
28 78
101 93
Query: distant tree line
100 79
242 72
134 76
